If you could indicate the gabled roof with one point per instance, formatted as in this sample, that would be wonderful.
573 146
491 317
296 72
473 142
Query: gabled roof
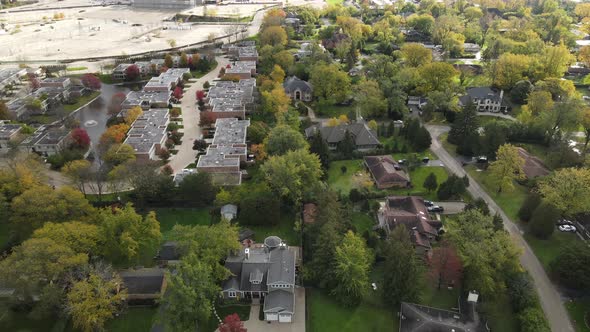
293 83
279 301
385 170
360 132
484 93
410 211
143 281
169 251
282 267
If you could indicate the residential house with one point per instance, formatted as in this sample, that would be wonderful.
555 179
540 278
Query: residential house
364 138
533 167
18 108
485 99
264 271
8 134
144 286
11 77
119 73
148 134
46 141
227 151
167 81
578 71
386 172
306 49
229 99
333 41
247 53
471 48
242 69
146 100
420 318
168 254
298 89
415 103
229 211
411 212
411 35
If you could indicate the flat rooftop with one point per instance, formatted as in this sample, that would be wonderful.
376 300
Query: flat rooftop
7 130
230 131
222 156
8 73
146 98
240 67
148 130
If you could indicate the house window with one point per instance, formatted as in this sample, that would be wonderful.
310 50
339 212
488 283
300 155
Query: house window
231 294
255 282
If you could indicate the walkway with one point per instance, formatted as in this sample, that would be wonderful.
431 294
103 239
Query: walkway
550 299
190 115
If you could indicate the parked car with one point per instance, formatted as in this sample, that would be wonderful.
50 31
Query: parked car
425 160
401 161
435 208
564 222
428 203
482 159
567 228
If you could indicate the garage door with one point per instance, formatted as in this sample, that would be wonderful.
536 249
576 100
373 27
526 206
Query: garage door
272 317
285 318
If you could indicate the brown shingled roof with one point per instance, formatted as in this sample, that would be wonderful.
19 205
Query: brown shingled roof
533 166
310 211
386 172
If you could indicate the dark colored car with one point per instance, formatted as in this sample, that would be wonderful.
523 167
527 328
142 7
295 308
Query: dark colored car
435 208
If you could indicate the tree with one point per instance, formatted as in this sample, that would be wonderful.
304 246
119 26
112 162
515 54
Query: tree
584 55
132 114
80 139
200 145
293 174
319 146
275 101
232 323
38 263
78 171
464 129
273 36
283 139
507 168
403 270
509 69
533 320
352 264
542 223
568 189
555 61
93 301
127 234
585 123
564 116
416 55
132 73
539 102
521 91
277 74
198 189
114 134
177 93
168 62
347 145
114 106
369 98
259 206
81 237
445 265
4 113
150 184
257 132
118 154
430 183
530 204
190 293
572 266
171 42
91 82
40 204
330 83
437 76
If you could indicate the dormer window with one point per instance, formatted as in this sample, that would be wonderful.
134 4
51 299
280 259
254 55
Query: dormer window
255 282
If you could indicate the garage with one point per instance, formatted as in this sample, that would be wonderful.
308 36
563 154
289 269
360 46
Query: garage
272 316
285 318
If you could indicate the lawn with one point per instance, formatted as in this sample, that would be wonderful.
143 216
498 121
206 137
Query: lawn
334 2
343 181
578 310
547 250
21 322
133 319
510 202
440 298
362 222
499 314
76 68
325 315
484 119
81 102
168 217
284 230
223 311
333 111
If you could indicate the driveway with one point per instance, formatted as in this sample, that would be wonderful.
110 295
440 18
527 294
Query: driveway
451 207
190 115
298 324
550 299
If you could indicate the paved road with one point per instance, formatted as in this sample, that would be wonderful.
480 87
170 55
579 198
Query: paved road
550 298
190 114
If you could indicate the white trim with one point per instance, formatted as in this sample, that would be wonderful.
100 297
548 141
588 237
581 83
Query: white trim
232 294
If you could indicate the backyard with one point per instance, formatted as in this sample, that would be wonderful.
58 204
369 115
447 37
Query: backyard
284 229
133 319
168 217
333 111
579 311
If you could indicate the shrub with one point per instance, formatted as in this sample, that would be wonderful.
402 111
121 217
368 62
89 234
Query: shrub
571 268
533 320
529 205
543 220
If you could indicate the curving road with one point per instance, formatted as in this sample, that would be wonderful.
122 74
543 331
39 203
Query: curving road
550 299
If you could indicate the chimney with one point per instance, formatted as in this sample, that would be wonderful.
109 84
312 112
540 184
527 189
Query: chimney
283 246
247 252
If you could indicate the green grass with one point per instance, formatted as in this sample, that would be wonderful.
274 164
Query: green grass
578 310
133 319
510 202
284 230
20 322
499 314
362 222
485 119
439 298
547 250
343 182
332 111
334 2
168 217
81 102
326 315
76 68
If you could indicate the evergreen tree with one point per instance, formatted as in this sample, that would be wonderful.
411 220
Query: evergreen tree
347 145
542 222
498 222
464 130
319 146
422 139
430 183
529 205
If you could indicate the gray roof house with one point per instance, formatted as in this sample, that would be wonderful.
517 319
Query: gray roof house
364 137
298 89
265 271
485 99
229 211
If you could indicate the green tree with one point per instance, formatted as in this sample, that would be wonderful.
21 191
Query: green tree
487 255
416 55
168 61
257 132
283 139
78 171
533 320
507 168
330 83
347 145
93 301
353 261
319 146
118 154
571 267
464 129
509 69
369 99
430 183
437 76
564 117
80 237
190 295
293 174
277 74
531 202
403 270
273 36
259 206
4 113
197 189
568 189
542 223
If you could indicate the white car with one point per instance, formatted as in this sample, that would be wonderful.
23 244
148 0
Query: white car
567 228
